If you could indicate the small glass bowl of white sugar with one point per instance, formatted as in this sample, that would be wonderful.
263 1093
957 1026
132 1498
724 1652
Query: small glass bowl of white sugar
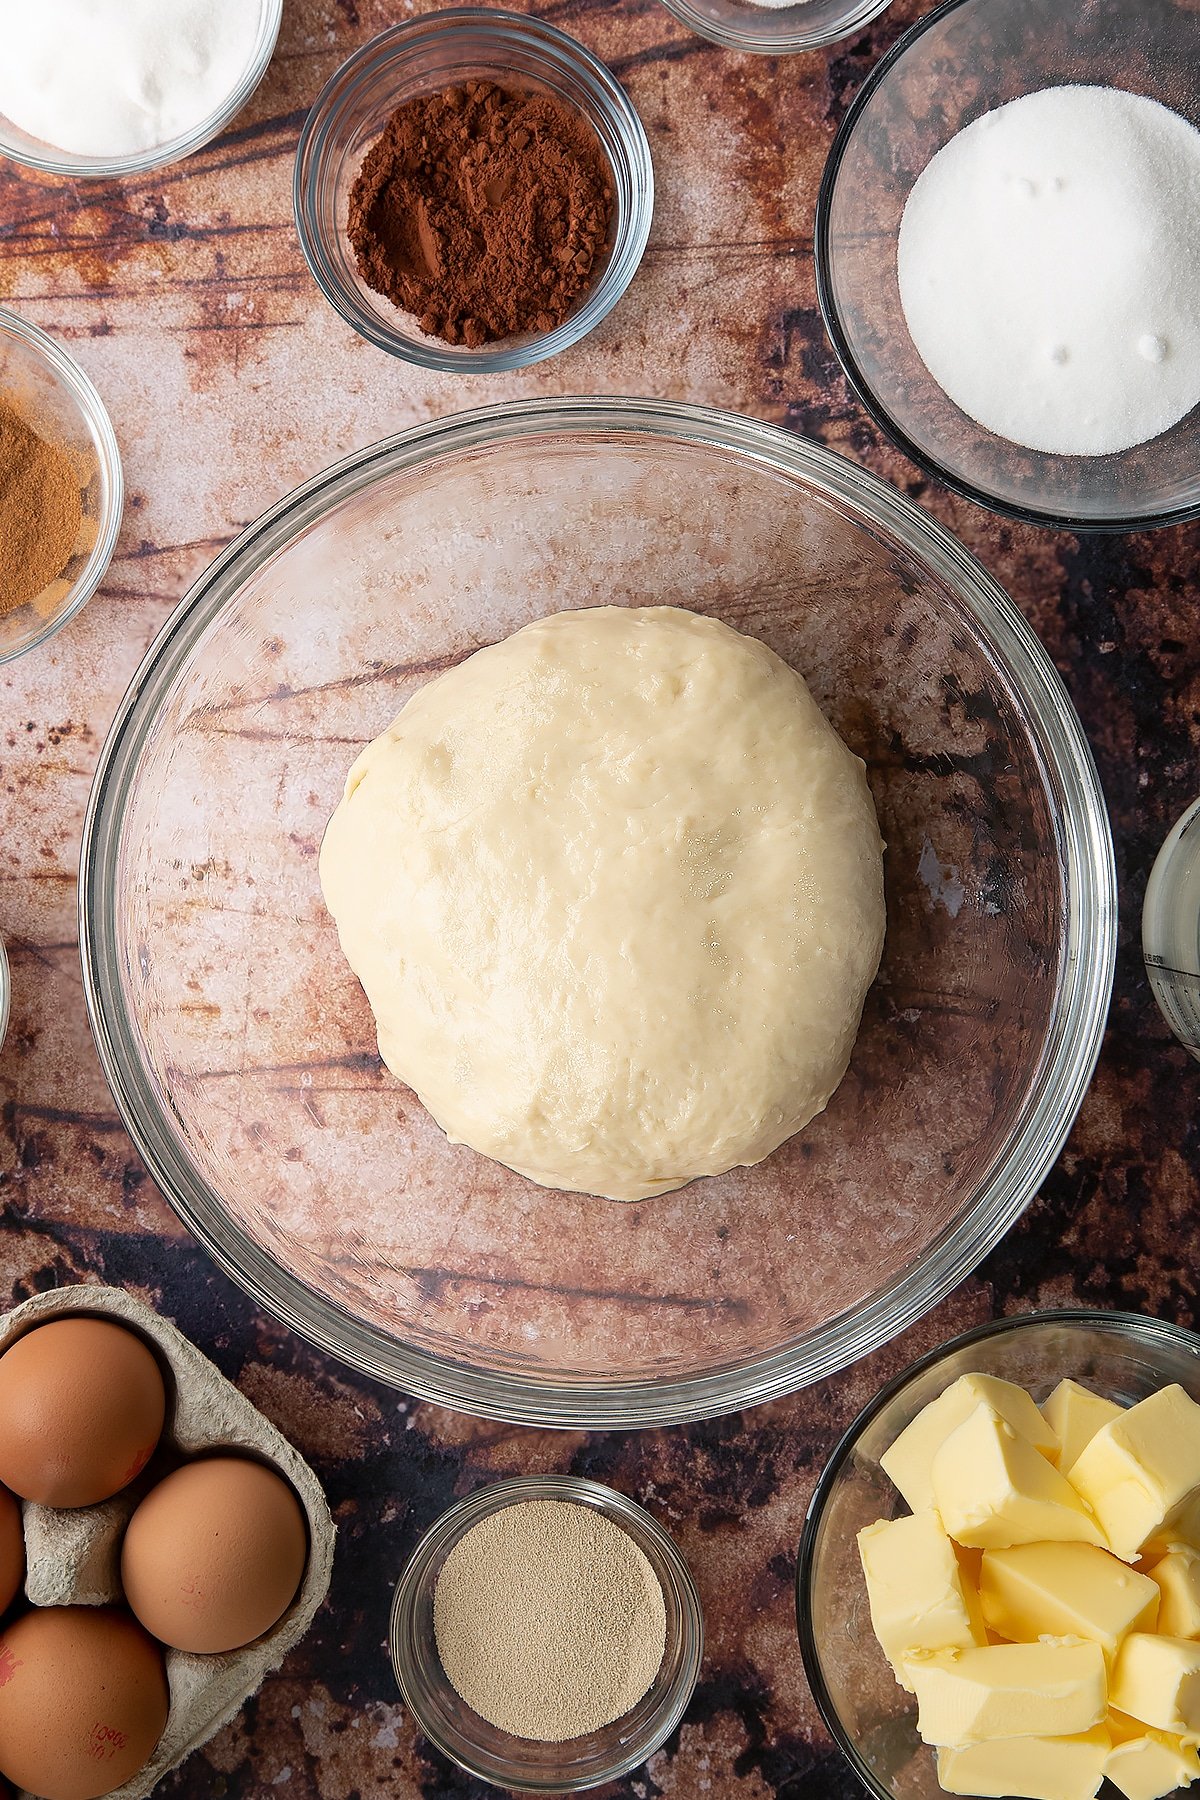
776 27
1007 246
497 1600
116 88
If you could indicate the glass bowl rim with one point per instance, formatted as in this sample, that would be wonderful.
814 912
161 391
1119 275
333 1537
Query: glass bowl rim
1134 1325
5 992
92 410
1056 517
609 97
176 149
856 15
483 1503
1064 1070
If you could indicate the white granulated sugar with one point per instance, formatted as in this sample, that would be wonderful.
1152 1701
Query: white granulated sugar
109 78
1049 268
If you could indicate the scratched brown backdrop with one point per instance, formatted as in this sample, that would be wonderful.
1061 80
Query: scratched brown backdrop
185 297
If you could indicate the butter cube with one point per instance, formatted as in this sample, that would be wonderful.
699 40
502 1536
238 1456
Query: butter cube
918 1595
1147 1764
1035 1768
1065 1590
993 1487
1183 1531
910 1460
1075 1415
970 1561
1007 1690
1157 1680
1140 1472
1177 1578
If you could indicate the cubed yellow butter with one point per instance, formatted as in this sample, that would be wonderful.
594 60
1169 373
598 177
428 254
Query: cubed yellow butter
916 1589
1182 1532
1177 1578
1157 1680
1065 1590
1141 1471
1075 1415
1147 1764
992 1488
1034 1768
970 1561
1007 1690
910 1460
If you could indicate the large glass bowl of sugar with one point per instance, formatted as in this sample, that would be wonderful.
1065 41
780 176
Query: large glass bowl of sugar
242 1051
961 61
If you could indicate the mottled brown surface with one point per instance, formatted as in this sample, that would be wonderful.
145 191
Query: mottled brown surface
228 380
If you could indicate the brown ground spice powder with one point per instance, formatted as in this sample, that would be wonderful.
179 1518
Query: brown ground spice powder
482 211
40 511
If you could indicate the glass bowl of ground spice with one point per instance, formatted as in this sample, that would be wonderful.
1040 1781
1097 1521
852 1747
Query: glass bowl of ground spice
61 490
1007 248
473 191
546 1634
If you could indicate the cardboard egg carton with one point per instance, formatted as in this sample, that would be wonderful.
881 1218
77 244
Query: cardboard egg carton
73 1558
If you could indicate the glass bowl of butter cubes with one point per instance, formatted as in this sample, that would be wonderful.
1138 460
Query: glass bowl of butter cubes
998 1587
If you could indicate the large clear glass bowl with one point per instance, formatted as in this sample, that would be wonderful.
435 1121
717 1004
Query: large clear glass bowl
242 1052
1124 1356
959 61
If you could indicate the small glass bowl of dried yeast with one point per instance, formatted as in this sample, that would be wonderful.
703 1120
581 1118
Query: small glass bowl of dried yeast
63 493
563 1610
501 232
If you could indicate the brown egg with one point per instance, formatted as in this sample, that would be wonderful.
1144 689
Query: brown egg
82 1405
83 1700
214 1554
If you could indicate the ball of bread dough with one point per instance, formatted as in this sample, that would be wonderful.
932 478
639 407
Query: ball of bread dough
614 889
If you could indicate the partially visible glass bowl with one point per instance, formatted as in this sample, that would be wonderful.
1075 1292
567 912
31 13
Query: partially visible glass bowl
776 30
34 153
1171 929
1124 1356
424 55
5 992
51 392
961 60
242 1052
519 1763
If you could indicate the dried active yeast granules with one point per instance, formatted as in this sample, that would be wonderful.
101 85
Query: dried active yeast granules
549 1620
1049 266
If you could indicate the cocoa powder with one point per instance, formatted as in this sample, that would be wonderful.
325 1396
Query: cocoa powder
482 211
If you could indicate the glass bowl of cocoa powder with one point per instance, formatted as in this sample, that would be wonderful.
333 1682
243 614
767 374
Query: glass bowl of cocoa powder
62 496
473 191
